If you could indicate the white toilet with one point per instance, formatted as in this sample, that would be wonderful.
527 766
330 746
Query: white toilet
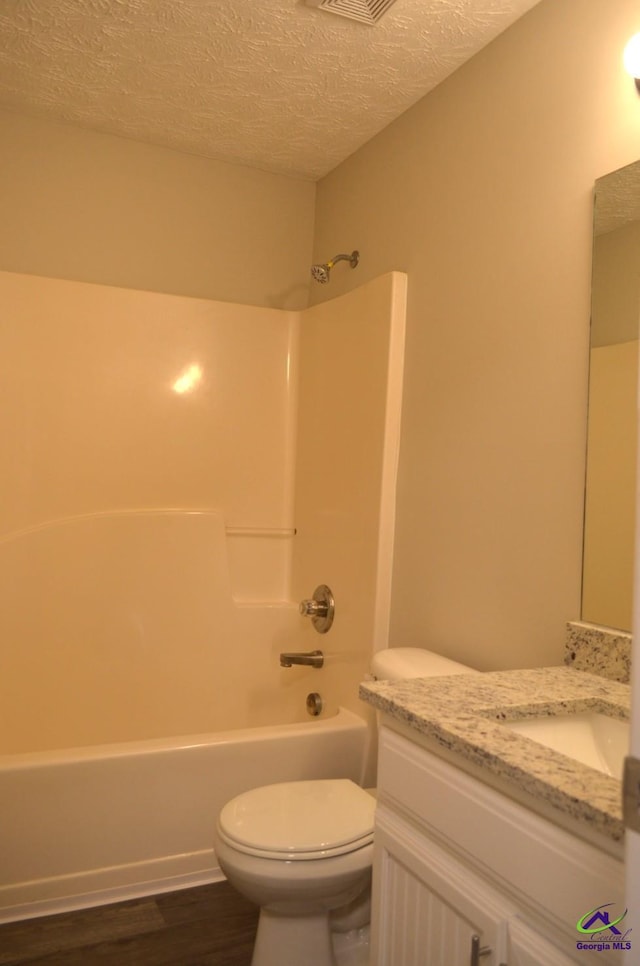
303 850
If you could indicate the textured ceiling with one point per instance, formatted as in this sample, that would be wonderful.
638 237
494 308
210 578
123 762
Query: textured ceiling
274 84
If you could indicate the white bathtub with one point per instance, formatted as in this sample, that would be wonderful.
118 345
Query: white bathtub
86 826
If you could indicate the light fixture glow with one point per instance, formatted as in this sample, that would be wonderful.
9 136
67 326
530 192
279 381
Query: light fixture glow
188 380
631 59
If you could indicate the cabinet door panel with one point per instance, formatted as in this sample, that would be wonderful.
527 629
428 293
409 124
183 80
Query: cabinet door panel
427 906
421 927
528 948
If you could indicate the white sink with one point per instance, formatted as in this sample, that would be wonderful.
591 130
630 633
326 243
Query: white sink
593 739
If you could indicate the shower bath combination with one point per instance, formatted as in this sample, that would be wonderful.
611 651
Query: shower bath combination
148 733
321 272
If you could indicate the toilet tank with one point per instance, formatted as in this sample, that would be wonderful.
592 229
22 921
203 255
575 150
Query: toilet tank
398 663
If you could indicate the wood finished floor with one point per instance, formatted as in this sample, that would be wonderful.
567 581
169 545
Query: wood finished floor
208 926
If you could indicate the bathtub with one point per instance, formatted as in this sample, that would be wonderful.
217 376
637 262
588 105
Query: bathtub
87 826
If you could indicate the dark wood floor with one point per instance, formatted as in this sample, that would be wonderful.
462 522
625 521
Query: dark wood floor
208 926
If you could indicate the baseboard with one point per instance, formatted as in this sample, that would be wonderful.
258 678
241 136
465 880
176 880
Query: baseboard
97 887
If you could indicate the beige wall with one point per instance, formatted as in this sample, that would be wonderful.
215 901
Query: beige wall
97 208
482 193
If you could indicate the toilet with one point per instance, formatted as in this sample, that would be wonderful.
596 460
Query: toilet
302 851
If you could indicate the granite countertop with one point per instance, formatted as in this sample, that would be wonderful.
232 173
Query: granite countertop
460 715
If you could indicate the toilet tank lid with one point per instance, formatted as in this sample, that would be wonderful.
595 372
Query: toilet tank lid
398 663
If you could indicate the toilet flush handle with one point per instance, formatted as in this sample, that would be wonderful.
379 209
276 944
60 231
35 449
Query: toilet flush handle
320 608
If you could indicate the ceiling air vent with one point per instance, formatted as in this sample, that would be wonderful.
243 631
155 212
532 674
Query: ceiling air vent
366 11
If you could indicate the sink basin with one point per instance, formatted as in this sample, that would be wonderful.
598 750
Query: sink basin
591 738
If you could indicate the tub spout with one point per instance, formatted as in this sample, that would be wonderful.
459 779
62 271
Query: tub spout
308 658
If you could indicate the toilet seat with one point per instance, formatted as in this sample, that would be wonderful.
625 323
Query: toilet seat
294 821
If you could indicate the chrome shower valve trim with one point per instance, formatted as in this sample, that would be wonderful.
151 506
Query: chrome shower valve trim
320 608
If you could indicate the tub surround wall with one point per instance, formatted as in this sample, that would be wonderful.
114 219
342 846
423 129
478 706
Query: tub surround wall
135 634
117 399
598 650
351 366
152 490
140 614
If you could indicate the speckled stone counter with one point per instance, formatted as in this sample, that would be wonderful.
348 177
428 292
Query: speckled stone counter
598 650
460 716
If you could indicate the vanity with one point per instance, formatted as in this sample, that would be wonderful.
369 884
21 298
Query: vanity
492 846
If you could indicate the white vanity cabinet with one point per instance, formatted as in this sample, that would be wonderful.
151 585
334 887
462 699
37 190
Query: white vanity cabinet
455 859
428 905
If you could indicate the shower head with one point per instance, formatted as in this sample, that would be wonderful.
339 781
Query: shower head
321 272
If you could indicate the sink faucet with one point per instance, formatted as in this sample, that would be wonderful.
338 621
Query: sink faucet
308 658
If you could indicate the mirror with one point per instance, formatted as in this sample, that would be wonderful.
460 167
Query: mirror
607 579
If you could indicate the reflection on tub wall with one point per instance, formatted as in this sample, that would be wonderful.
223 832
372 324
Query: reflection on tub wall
121 625
153 486
122 399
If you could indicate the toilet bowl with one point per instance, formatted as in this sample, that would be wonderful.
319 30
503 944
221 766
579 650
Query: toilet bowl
298 850
303 850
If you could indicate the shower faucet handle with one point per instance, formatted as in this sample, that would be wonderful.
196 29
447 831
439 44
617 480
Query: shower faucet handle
313 608
320 608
